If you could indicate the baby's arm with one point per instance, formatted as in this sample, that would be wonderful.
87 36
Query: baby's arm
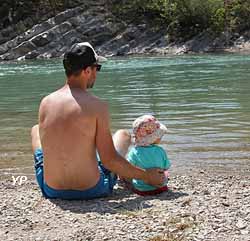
132 159
167 165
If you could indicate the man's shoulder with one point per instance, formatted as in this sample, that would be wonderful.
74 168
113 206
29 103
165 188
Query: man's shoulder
46 100
91 103
64 95
50 96
97 100
86 101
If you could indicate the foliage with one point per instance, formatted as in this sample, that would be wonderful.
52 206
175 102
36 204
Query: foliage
239 11
186 18
14 11
181 19
195 16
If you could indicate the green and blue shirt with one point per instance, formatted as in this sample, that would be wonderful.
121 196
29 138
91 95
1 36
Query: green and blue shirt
152 156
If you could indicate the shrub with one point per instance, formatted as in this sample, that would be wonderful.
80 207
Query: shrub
239 11
186 18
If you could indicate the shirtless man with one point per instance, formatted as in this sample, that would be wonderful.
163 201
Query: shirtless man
73 124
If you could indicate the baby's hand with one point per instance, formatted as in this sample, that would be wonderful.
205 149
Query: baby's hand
166 173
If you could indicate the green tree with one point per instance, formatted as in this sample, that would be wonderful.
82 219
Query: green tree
239 15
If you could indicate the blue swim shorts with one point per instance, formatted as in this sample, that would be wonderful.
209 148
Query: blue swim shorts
103 188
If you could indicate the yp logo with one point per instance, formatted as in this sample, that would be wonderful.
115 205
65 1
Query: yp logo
19 180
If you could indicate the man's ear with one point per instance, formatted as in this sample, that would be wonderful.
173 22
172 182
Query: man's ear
87 70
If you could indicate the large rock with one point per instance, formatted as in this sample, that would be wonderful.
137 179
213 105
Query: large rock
32 54
64 16
93 23
100 38
123 50
39 28
77 21
3 49
199 43
72 37
23 49
8 56
43 38
62 28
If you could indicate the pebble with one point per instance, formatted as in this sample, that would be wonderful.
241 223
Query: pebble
226 204
202 210
244 232
241 224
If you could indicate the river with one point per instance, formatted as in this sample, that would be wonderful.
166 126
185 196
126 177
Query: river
204 100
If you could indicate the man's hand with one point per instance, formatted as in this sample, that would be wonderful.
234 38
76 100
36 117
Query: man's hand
155 177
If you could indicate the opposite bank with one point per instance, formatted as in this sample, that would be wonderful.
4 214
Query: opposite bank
112 37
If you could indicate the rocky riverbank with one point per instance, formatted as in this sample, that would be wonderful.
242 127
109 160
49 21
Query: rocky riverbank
204 205
93 22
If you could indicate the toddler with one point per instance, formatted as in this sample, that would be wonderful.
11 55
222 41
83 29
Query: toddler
146 153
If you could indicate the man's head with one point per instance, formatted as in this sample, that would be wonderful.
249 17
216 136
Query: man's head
81 61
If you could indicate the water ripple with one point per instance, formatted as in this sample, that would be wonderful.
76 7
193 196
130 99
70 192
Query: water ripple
204 101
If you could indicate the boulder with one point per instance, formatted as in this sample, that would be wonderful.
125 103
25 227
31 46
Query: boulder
3 39
64 27
46 55
43 39
49 54
123 50
131 32
100 38
8 56
3 49
32 55
11 44
200 43
64 16
74 37
37 29
240 41
77 21
19 39
23 49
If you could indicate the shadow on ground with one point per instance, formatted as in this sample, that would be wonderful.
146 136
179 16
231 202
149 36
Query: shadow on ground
121 201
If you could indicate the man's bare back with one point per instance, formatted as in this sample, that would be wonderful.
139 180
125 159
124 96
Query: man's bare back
67 127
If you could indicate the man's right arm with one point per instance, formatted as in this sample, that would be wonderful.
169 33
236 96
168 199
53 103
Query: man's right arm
113 161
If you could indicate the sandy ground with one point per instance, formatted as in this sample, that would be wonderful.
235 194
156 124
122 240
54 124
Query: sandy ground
199 206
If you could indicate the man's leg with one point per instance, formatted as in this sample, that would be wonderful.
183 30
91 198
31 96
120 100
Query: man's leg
35 138
122 141
38 156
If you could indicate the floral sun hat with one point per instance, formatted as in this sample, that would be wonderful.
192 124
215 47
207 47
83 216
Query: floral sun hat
147 129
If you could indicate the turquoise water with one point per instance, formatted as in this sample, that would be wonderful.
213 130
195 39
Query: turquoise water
203 99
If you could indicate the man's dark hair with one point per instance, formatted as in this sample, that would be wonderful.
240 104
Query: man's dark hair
77 58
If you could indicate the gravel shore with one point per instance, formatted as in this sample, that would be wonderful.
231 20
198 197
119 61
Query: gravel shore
204 205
